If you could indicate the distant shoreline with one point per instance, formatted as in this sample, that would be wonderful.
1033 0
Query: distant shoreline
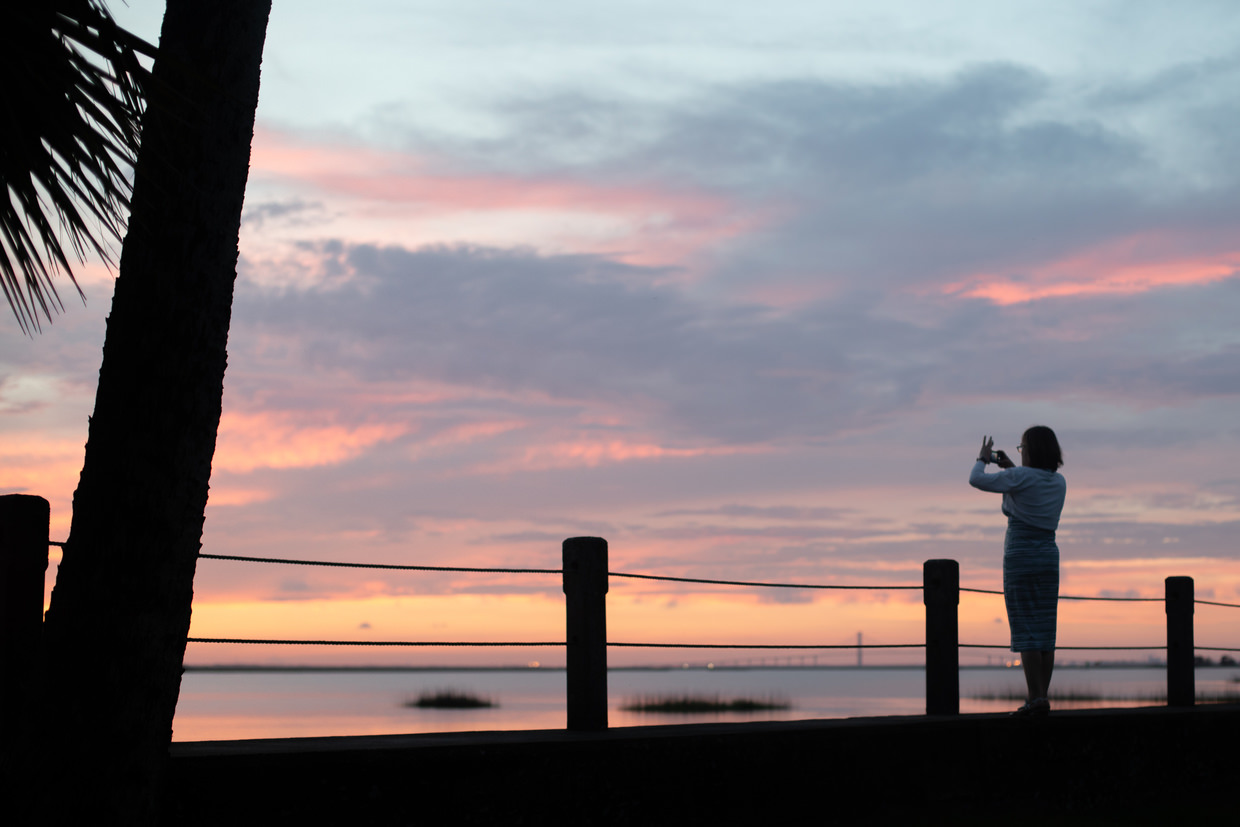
659 668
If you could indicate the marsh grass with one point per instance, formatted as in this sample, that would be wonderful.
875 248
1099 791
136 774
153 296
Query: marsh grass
691 704
450 699
1230 696
1062 696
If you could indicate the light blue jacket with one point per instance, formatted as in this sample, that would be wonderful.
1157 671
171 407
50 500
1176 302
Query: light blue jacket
1031 495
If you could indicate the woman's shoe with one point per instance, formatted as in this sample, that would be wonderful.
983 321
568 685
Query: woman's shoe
1038 707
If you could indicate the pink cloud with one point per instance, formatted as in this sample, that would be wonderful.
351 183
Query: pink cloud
474 431
1131 265
271 440
655 224
225 495
462 435
589 453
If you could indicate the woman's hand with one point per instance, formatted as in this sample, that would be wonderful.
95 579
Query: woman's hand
1002 460
987 444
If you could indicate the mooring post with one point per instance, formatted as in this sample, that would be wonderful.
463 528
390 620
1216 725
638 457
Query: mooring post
1181 680
941 594
585 599
24 526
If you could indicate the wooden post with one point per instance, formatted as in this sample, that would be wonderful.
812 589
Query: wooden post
1181 685
24 526
941 594
585 599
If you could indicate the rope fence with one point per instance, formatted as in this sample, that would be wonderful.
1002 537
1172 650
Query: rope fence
768 645
374 642
663 578
1086 597
585 577
380 566
755 583
1216 603
666 578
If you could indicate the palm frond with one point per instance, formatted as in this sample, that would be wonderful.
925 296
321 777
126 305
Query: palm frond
71 124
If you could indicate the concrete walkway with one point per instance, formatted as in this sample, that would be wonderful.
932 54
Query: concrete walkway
1097 766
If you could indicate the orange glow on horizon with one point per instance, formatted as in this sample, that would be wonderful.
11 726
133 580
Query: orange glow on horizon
646 615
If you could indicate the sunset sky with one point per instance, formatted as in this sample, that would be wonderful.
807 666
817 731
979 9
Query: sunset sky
739 287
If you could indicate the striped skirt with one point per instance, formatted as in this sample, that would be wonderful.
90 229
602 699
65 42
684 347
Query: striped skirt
1031 586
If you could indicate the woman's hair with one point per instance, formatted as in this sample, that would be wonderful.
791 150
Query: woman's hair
1042 448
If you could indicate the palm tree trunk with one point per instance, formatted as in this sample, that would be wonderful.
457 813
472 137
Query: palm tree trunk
115 633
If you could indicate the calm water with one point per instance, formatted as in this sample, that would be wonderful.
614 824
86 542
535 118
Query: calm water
229 705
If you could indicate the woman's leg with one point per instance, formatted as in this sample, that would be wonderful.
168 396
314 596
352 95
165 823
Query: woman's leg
1048 666
1031 662
1038 667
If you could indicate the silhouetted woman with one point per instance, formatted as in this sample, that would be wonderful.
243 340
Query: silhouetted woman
1033 496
